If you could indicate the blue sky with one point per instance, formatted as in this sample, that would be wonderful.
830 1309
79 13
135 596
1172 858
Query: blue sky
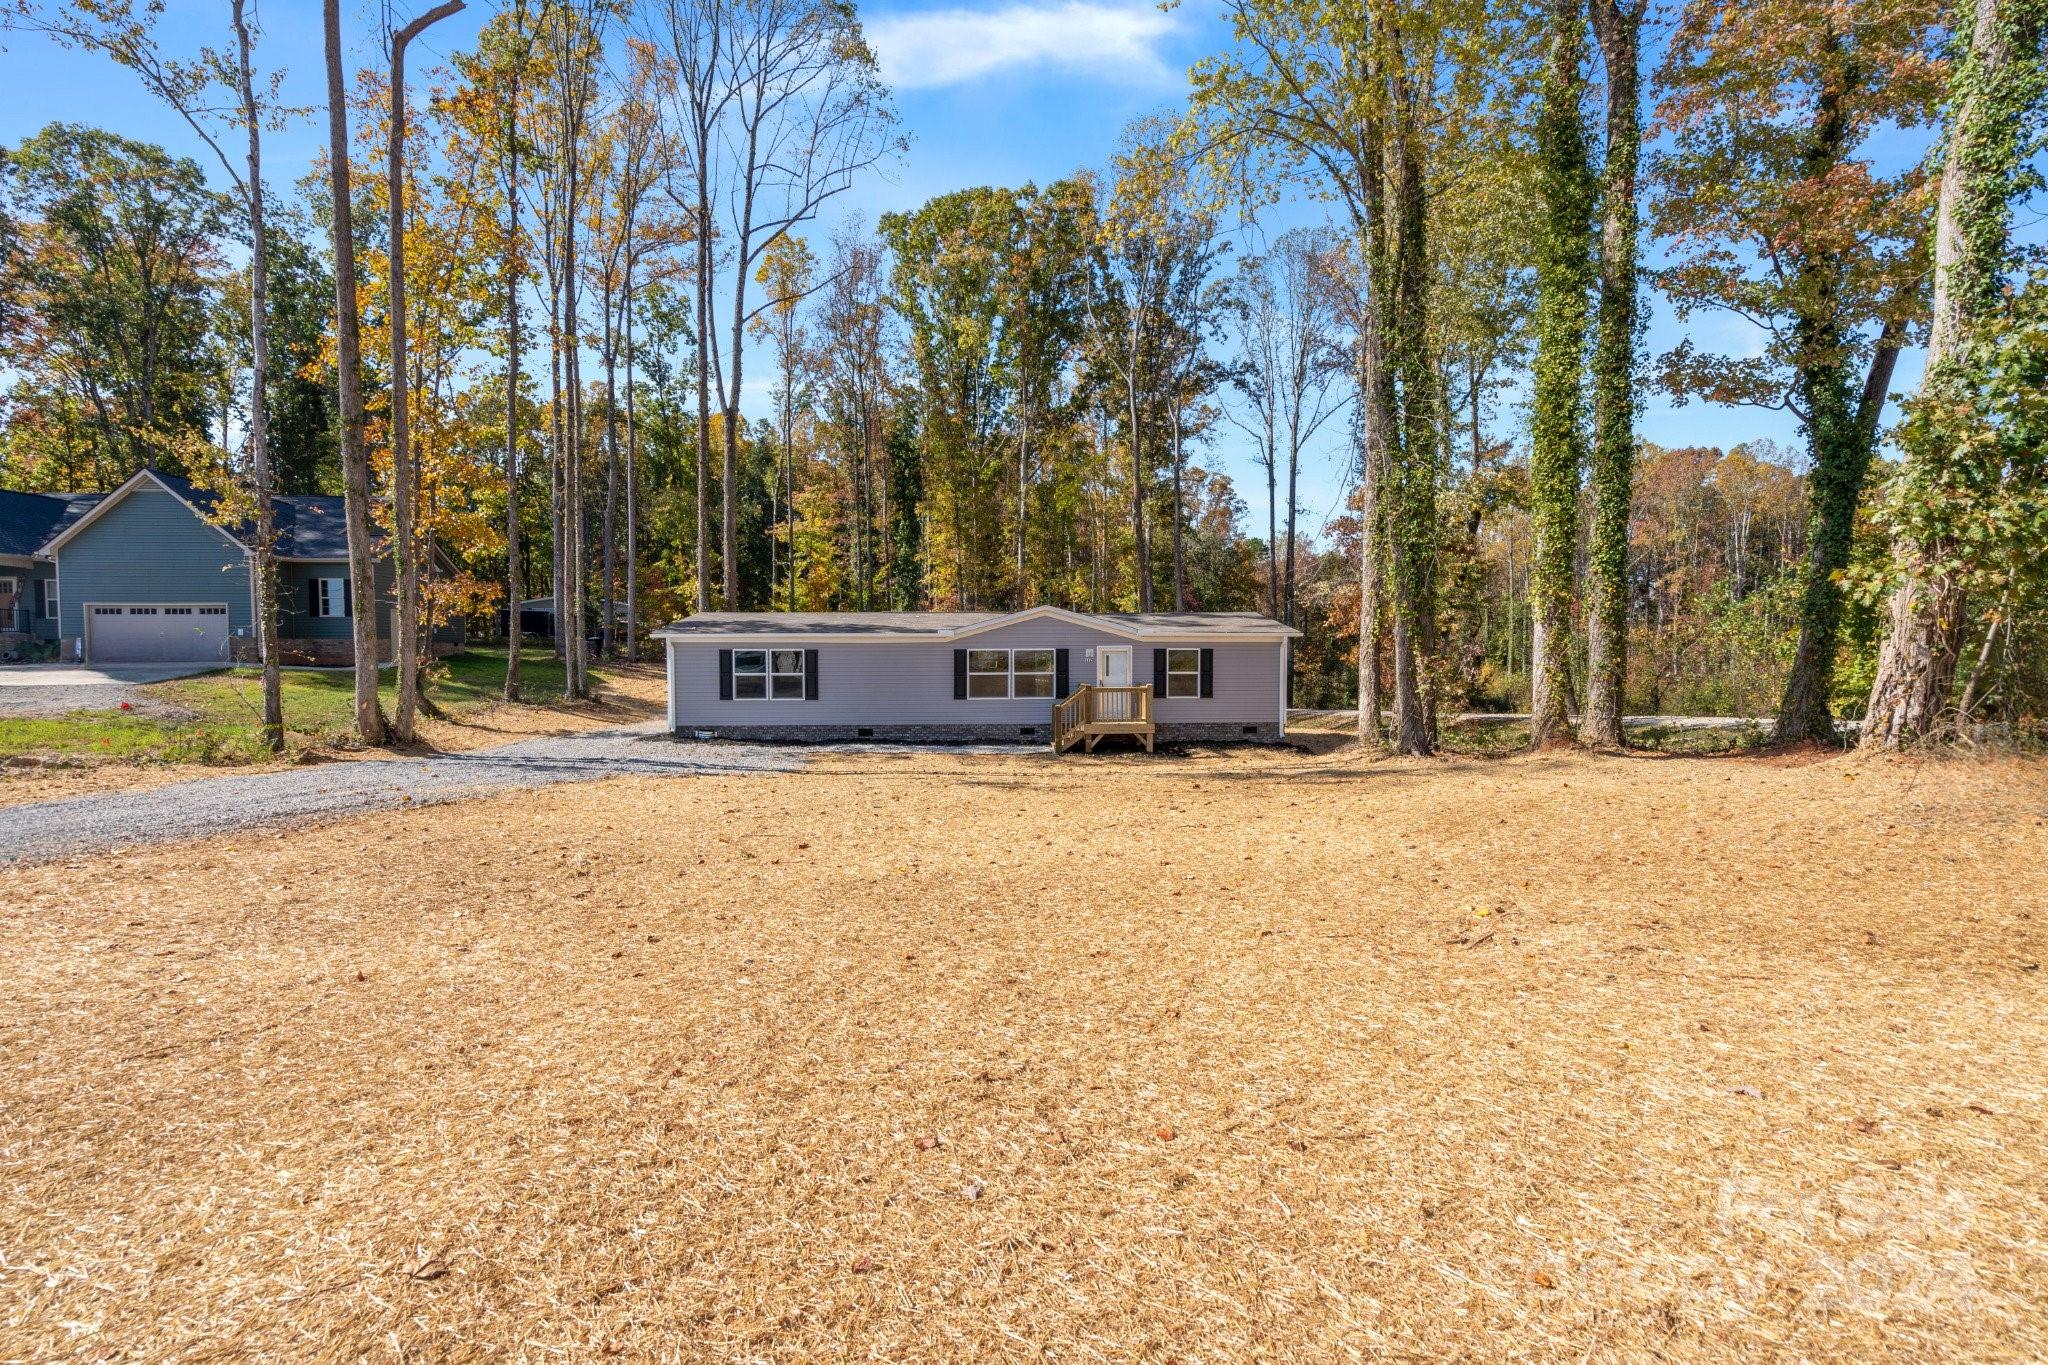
991 92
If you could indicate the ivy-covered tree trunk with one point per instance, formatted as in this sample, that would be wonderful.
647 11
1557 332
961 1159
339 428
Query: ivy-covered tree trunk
1557 425
1839 446
1618 26
1993 90
1411 521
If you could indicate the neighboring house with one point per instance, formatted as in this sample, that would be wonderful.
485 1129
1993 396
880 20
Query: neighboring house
28 584
147 573
974 675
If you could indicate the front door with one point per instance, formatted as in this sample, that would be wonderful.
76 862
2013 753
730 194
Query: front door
1113 669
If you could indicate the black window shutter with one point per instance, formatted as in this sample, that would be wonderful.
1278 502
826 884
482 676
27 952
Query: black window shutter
725 675
1158 672
810 675
1059 672
1208 672
348 606
959 675
312 597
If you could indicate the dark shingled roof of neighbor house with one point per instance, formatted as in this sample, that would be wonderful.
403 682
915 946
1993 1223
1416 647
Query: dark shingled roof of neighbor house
29 520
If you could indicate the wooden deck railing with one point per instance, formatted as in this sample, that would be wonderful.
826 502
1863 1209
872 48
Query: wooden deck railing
1094 711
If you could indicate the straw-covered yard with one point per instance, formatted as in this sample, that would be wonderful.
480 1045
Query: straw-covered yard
947 1057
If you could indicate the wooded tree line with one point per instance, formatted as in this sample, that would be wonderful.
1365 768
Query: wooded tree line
567 260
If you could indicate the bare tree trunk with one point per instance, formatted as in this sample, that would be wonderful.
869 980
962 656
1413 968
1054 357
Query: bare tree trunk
514 593
402 477
355 461
609 550
632 484
1142 552
259 423
702 286
1180 560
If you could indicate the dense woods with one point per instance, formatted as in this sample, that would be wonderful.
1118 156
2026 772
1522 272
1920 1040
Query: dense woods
606 336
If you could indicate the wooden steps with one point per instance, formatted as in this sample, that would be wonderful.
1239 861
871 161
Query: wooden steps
1094 712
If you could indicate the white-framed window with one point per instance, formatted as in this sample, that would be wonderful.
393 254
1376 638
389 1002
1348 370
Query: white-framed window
999 674
46 598
768 674
1183 672
327 597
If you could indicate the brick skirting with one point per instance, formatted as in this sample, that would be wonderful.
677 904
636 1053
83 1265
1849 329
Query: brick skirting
1185 732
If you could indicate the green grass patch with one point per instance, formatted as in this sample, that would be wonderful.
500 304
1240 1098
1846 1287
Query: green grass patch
226 711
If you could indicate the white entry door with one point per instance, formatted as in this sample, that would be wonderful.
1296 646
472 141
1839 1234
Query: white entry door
1113 669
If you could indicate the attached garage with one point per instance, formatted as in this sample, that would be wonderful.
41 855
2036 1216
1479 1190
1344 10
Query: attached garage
157 633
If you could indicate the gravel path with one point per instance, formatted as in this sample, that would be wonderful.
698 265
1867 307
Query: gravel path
56 689
216 805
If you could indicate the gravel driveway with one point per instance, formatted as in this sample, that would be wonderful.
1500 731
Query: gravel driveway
58 689
216 805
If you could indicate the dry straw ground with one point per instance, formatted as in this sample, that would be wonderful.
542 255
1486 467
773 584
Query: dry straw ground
944 1057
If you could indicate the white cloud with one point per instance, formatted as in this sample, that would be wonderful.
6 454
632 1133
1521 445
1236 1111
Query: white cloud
946 47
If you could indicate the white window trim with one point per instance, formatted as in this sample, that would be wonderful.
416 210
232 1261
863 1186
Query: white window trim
1009 673
1172 673
51 599
768 673
327 599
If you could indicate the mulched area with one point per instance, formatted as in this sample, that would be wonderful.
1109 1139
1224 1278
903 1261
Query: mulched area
1237 1056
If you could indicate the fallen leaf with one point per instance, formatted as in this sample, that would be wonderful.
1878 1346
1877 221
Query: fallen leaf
1748 1090
1166 1133
925 1144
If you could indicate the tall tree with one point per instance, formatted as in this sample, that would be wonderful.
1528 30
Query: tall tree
1618 26
1564 268
348 345
113 27
113 282
259 392
404 545
1996 89
1284 307
1348 104
1778 215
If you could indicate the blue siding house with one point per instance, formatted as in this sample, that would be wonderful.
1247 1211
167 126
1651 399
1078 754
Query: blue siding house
152 573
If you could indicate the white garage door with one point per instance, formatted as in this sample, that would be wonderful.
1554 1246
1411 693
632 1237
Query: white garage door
157 634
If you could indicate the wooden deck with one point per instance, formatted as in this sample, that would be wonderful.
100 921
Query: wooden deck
1093 712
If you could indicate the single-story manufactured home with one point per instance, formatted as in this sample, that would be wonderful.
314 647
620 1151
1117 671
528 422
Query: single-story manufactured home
1037 675
150 573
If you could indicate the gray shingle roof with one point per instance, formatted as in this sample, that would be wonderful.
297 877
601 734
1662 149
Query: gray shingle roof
941 624
29 520
308 527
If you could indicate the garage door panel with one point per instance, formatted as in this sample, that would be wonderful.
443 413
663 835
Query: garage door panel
163 633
